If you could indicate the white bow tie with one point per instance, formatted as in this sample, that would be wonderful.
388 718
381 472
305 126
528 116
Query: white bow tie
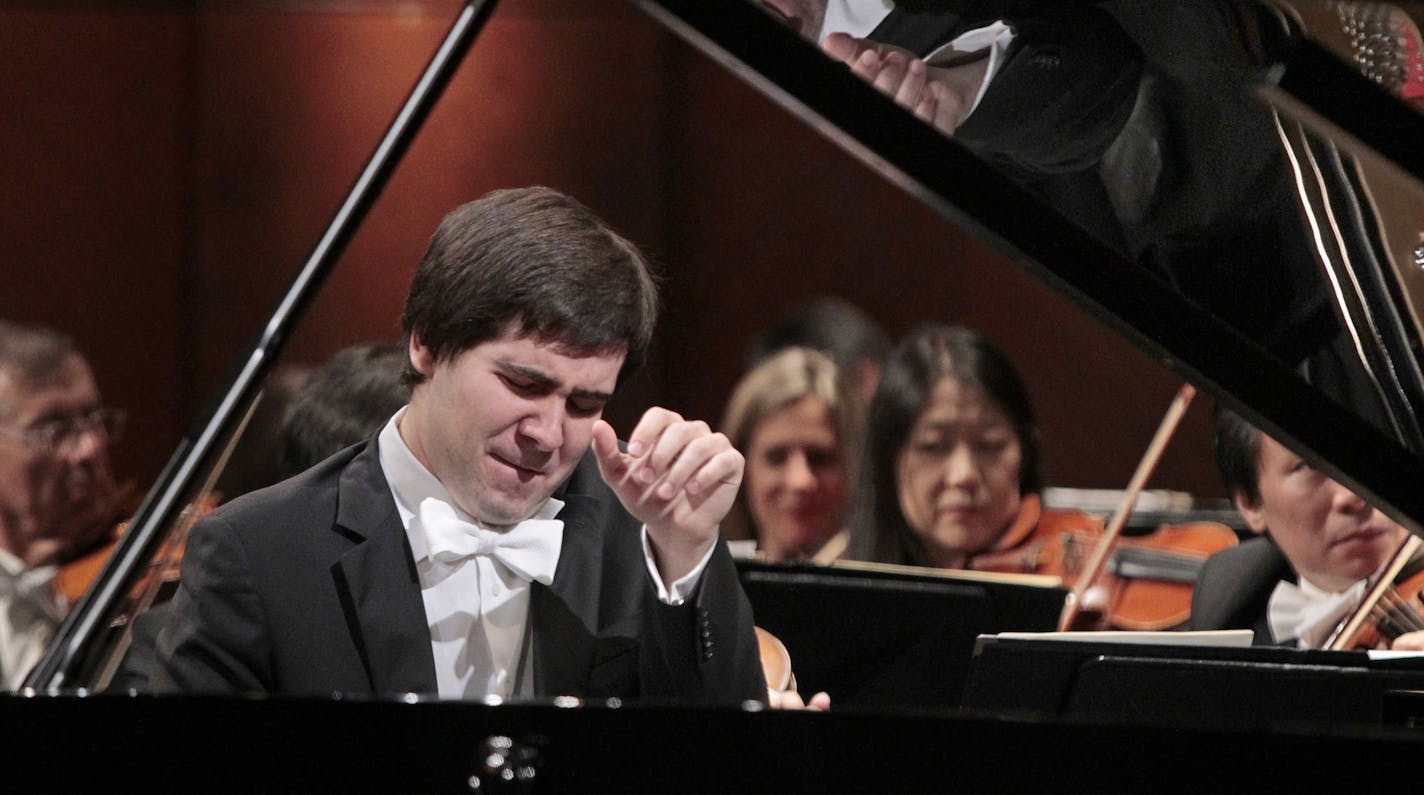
35 587
530 549
1308 614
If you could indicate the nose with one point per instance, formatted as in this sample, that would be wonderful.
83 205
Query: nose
799 476
960 470
1347 501
544 426
88 442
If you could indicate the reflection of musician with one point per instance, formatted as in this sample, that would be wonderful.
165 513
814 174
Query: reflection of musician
837 328
794 419
476 545
951 453
1319 543
1036 89
56 488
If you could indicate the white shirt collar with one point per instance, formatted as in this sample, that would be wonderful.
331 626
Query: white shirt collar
411 483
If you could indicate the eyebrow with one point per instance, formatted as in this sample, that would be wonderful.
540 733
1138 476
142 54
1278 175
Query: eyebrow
542 380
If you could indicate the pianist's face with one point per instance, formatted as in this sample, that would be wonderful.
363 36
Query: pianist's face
958 473
503 424
1329 534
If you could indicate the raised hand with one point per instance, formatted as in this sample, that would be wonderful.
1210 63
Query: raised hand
678 478
941 96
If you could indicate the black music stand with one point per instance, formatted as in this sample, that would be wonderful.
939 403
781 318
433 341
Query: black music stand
888 637
1255 686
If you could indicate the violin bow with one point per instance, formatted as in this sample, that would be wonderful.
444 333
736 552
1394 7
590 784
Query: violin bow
1073 605
1345 635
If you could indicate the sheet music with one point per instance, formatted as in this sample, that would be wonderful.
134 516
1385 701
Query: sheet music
1223 637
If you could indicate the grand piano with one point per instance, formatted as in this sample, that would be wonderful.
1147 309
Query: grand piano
1243 207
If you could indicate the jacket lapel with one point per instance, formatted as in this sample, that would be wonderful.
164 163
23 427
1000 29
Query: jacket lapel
565 614
380 591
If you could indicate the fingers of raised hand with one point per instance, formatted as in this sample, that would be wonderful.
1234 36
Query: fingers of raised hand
912 87
670 446
893 66
702 462
706 464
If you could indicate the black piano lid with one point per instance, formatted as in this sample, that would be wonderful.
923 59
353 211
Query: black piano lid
1125 283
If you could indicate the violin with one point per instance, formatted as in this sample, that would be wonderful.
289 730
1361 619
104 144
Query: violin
775 662
75 577
1147 583
1390 607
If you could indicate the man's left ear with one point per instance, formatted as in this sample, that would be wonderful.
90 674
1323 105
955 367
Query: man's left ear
421 357
1250 511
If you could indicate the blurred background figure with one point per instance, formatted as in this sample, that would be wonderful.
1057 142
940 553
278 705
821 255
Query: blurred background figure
799 429
345 401
951 468
836 328
307 413
57 494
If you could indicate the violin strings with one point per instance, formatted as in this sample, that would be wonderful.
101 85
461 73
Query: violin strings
1393 617
1407 616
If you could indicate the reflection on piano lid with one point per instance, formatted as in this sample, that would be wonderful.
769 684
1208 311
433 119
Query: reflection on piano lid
1191 233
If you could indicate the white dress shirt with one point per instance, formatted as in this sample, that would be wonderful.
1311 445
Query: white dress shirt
30 612
477 608
856 17
1307 613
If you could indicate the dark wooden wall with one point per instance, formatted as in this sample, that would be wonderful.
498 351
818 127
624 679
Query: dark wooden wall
167 166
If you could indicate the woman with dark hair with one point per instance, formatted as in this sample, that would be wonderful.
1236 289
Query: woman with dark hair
951 466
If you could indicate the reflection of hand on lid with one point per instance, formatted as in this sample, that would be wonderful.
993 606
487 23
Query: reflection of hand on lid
942 96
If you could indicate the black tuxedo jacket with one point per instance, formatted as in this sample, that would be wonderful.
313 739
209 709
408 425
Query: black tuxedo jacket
309 587
1234 588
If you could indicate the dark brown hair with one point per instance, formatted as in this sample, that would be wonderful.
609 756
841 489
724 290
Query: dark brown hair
538 259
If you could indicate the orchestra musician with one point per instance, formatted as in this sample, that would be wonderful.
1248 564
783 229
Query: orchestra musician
344 401
837 328
951 467
494 538
57 493
798 426
1318 543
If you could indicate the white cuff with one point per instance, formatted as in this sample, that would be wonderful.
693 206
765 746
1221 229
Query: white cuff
677 593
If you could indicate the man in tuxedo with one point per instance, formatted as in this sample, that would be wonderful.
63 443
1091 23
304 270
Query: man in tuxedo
57 494
1319 543
494 539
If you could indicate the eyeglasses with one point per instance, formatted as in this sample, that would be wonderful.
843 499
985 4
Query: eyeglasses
64 435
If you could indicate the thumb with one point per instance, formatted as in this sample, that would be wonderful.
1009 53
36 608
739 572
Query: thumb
840 46
605 449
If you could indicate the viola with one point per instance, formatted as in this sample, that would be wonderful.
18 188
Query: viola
1147 583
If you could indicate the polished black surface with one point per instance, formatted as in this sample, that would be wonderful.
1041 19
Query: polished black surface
1168 224
252 745
1181 225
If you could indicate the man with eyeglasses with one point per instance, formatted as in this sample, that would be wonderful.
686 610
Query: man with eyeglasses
57 494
